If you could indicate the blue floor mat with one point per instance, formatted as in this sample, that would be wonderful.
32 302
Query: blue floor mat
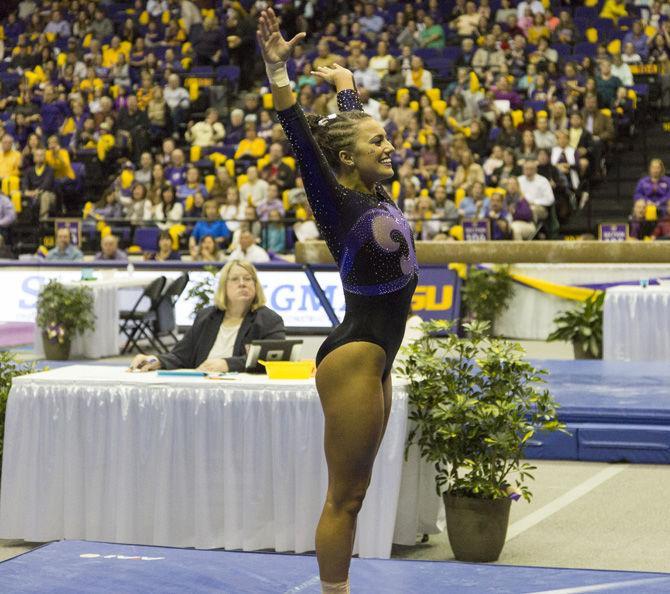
75 567
610 391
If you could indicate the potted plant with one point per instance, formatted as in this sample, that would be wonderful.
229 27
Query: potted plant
583 326
474 403
62 313
486 293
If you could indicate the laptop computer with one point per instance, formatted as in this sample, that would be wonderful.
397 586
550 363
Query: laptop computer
271 350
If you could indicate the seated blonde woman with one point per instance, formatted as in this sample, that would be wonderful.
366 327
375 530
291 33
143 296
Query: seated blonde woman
220 333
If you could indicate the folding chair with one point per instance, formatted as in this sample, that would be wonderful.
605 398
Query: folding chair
166 320
137 323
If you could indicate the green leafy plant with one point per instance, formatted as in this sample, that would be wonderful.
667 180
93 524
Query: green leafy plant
63 312
9 369
202 291
474 404
486 293
583 326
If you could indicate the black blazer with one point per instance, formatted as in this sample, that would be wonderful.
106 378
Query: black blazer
194 347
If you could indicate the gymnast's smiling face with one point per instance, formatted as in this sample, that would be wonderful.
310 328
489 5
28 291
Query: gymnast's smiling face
372 152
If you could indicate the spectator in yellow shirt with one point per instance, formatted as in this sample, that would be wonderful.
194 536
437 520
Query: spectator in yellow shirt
10 159
91 83
110 55
59 160
145 92
324 57
251 145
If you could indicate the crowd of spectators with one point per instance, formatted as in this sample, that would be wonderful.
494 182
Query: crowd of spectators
499 110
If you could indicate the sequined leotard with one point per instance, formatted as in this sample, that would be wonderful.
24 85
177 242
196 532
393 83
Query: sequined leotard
369 238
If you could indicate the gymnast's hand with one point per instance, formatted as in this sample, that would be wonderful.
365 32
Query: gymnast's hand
274 48
338 76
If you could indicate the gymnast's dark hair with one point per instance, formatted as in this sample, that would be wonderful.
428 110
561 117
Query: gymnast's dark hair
335 133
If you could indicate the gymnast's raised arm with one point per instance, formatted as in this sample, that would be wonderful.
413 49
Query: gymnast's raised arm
323 190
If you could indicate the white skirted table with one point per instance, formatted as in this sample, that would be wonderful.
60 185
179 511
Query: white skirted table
103 340
98 453
636 323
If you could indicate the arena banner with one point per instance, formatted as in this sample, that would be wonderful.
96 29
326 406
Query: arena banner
288 292
613 231
438 294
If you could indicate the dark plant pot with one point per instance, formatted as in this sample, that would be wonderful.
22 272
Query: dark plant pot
476 527
54 350
580 352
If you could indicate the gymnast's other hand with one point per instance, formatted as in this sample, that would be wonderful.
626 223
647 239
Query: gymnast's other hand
274 48
220 365
336 76
144 363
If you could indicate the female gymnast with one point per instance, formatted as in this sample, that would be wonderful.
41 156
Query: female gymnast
343 157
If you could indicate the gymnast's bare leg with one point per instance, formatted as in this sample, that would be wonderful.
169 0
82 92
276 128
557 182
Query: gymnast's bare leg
356 407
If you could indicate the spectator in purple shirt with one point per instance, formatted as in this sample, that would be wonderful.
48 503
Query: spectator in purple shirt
58 25
654 188
637 37
499 218
7 217
371 23
53 112
175 173
109 249
503 92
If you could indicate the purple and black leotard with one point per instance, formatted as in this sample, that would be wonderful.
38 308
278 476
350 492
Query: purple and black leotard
369 238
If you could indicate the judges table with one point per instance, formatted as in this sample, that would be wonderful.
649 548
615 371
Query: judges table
103 340
98 453
636 323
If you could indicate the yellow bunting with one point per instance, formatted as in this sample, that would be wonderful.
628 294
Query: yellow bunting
562 291
459 268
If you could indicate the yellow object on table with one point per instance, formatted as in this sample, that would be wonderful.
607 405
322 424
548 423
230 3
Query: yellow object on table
289 369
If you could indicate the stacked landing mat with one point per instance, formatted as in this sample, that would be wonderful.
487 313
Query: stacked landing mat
616 412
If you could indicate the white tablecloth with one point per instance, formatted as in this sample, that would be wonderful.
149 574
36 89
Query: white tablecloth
636 324
96 453
103 340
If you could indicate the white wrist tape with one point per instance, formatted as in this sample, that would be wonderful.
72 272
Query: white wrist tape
277 74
